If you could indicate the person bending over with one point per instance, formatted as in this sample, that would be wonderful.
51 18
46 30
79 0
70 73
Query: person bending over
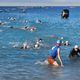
53 53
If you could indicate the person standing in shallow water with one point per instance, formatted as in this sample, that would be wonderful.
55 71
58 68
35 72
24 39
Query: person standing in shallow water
53 53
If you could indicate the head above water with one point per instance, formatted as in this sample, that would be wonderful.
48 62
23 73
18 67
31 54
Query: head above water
66 42
76 47
62 38
58 43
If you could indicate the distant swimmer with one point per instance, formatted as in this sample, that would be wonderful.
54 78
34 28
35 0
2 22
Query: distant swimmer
53 53
25 28
32 29
40 40
22 28
65 13
25 46
67 43
38 21
29 28
13 27
74 52
38 44
62 40
2 23
12 18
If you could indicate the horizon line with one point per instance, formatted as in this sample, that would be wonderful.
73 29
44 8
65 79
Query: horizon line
39 4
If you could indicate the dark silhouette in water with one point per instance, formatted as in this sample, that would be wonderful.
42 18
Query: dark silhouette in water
74 52
65 13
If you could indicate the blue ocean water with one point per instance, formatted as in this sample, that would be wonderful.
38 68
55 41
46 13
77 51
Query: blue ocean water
18 64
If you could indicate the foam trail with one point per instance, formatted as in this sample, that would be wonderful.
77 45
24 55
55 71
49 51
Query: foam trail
1 30
42 62
15 44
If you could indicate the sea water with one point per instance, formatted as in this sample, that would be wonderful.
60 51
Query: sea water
19 64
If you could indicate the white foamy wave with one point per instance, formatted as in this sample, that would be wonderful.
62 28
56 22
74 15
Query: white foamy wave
4 47
1 30
14 44
42 62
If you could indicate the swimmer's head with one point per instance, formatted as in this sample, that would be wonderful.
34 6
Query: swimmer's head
76 47
62 38
25 27
58 43
67 42
40 39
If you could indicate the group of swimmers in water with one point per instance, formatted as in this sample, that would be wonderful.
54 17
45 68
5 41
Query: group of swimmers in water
27 28
55 50
26 45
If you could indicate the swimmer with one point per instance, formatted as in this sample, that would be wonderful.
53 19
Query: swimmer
74 52
2 23
53 53
13 27
25 28
32 29
62 38
40 39
38 21
62 41
37 45
65 13
12 18
25 46
66 43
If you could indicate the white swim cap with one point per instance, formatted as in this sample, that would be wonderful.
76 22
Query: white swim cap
67 41
62 38
76 46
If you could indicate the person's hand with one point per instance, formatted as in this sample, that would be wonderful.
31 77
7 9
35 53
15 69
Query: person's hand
62 65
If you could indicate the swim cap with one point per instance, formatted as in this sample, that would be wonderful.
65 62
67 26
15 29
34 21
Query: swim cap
58 42
76 46
62 38
67 42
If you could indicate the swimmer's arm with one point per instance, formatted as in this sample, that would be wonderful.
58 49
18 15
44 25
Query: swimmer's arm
59 57
79 50
71 52
78 54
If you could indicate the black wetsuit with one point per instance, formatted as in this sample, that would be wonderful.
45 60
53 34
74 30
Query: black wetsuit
74 53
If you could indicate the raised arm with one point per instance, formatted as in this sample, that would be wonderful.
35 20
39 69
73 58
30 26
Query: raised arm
59 57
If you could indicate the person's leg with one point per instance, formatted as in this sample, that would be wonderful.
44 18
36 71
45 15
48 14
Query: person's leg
55 63
52 61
